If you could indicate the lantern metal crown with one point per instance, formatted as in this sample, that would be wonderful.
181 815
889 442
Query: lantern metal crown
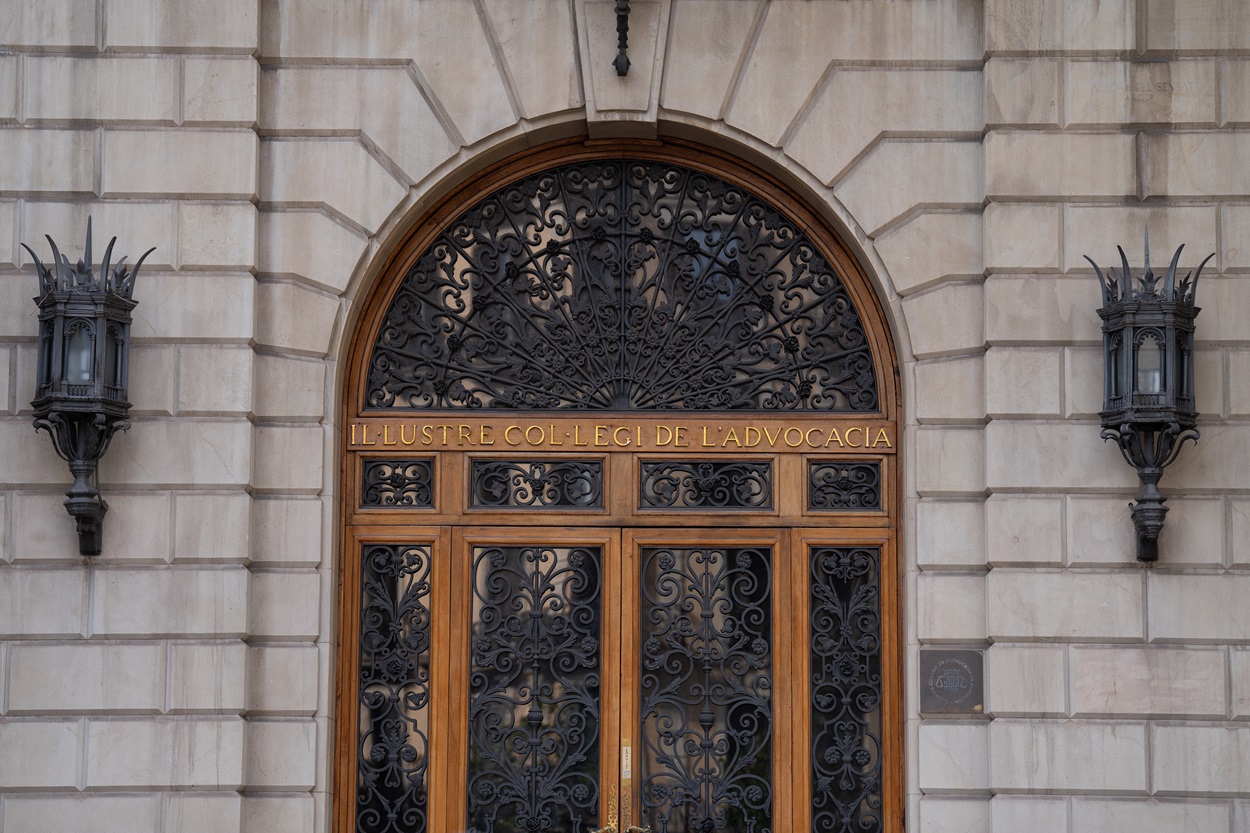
1148 388
84 350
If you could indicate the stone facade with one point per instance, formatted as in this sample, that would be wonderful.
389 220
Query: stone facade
275 151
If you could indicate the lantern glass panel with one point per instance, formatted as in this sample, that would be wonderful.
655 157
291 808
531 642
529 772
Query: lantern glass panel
1149 365
112 359
79 353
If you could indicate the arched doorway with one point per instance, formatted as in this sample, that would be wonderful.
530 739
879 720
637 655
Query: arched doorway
620 501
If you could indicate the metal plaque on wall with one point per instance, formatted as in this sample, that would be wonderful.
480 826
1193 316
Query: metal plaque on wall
952 681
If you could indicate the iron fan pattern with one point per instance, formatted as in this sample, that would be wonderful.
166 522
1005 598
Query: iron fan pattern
622 285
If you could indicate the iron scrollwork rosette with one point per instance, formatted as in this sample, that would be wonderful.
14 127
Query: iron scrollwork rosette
842 486
846 690
537 484
534 683
707 690
680 484
394 692
397 483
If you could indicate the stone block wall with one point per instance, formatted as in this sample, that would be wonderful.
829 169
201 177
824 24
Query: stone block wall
973 150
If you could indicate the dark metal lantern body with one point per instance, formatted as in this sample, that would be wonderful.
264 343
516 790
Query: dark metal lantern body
84 355
1148 390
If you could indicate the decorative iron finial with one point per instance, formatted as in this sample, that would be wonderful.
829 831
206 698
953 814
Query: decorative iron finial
1120 286
63 277
622 38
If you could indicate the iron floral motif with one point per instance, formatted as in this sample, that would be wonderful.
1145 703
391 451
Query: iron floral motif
403 483
679 484
707 690
538 484
841 486
622 285
534 682
393 748
846 689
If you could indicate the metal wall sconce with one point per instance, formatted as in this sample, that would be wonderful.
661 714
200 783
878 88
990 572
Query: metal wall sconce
1148 388
84 358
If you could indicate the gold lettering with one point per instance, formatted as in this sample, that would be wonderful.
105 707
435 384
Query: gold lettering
542 435
707 444
881 435
600 440
577 436
427 434
677 440
732 435
481 435
354 427
616 436
797 442
660 439
386 436
807 438
850 444
365 439
463 436
552 435
640 436
507 435
772 438
403 435
445 428
746 436
834 437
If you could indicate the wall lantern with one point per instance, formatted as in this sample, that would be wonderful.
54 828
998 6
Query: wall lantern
84 357
1148 389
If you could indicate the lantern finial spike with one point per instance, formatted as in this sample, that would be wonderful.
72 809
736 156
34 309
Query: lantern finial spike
1126 276
1169 280
87 247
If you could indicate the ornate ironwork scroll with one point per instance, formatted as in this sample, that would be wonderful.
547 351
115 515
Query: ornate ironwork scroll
393 747
622 284
707 690
846 689
841 486
400 483
537 484
680 484
534 683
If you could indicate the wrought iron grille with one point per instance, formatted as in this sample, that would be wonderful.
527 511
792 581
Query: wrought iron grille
841 486
394 692
622 284
707 690
706 484
846 689
534 681
400 483
537 484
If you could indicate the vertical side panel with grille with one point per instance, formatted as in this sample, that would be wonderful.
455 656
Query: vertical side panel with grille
534 681
706 759
393 729
846 689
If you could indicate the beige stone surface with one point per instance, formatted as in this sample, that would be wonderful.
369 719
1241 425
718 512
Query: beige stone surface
1022 814
75 813
212 527
1027 680
1222 299
857 105
706 41
933 246
1027 604
288 458
286 532
1235 236
946 320
284 604
41 754
9 97
951 389
1194 533
310 246
168 752
608 91
281 754
1023 530
899 175
1082 381
950 461
295 318
1013 26
282 680
1239 531
195 601
56 23
1039 164
136 225
950 533
207 677
954 757
78 678
218 235
67 87
1023 381
220 90
385 103
277 814
1096 231
1022 92
1022 237
291 175
1207 465
954 815
214 381
1084 756
544 80
1240 666
27 462
190 24
1200 759
204 813
1194 164
1149 681
137 529
1100 531
210 163
55 160
1100 815
1198 607
1040 308
1234 80
24 607
1100 92
1052 455
9 251
1196 25
200 452
950 607
289 388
